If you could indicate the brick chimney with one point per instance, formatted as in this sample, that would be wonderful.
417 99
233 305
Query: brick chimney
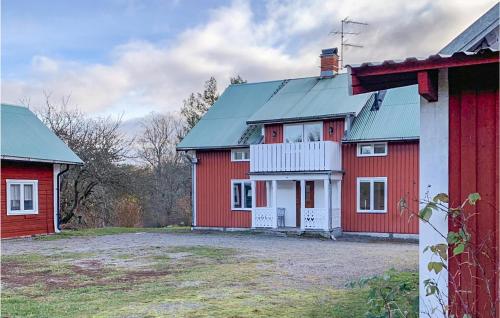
329 62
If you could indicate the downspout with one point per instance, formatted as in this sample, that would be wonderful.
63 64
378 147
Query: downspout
193 160
58 196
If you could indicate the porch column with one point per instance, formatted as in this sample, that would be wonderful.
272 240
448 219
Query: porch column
254 199
328 201
268 194
302 202
275 204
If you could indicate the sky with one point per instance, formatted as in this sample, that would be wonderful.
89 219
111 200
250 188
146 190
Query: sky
133 57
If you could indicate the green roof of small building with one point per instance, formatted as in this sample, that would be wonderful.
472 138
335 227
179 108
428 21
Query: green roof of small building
225 122
309 99
397 118
24 137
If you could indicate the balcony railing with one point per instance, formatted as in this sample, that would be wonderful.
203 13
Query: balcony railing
301 156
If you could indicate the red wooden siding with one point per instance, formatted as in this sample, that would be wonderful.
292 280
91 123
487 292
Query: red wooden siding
23 225
474 167
338 129
214 173
400 167
273 129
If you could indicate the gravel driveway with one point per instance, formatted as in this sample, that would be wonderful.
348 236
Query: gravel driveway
304 260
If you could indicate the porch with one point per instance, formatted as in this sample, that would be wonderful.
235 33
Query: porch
306 202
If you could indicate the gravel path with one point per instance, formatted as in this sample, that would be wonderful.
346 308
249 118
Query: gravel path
306 260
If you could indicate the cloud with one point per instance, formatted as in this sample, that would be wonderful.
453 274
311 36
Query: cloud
282 43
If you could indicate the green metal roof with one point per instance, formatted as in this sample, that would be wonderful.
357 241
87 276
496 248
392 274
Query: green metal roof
398 118
225 122
310 98
25 137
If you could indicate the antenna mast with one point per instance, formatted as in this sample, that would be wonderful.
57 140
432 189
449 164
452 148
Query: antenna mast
345 22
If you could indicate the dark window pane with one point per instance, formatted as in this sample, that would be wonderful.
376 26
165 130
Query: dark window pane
379 195
364 195
379 148
248 195
28 197
15 197
312 132
293 133
237 195
366 150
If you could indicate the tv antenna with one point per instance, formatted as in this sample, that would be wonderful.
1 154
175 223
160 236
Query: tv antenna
343 25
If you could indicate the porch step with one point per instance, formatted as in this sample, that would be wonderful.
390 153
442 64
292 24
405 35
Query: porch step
286 232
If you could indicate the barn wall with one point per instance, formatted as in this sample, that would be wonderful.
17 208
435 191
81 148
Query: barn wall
400 167
23 225
214 173
474 151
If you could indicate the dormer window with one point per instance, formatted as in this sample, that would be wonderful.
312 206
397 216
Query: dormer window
303 132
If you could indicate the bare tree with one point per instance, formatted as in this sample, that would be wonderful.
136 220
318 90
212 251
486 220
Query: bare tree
170 173
100 145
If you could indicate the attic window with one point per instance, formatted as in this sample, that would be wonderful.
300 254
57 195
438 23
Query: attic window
372 149
22 197
242 154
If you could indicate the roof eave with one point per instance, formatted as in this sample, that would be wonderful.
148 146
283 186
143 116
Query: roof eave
29 159
211 147
298 119
411 138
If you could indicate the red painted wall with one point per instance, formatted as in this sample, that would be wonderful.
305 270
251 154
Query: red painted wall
273 129
338 129
474 160
22 225
400 166
214 173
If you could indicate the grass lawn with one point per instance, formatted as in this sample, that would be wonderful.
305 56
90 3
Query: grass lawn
180 281
113 230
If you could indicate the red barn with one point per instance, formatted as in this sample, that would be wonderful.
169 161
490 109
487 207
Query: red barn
31 161
302 155
459 155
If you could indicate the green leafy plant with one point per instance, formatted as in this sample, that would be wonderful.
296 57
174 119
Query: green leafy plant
392 295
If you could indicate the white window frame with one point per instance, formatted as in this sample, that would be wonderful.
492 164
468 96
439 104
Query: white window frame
372 180
372 145
22 183
234 151
242 194
320 123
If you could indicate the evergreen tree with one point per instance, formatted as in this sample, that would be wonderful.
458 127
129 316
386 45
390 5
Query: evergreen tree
196 105
237 80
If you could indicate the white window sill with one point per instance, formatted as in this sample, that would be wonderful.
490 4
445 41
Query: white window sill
22 212
372 211
246 160
374 155
242 209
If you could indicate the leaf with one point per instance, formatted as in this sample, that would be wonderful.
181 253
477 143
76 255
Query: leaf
425 214
436 266
473 198
442 250
459 249
453 237
443 197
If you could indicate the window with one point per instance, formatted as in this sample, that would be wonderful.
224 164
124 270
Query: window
22 197
372 149
241 195
372 195
303 132
240 154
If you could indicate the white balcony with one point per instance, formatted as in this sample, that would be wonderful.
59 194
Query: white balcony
302 156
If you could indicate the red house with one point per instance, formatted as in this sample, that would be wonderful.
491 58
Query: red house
301 154
459 155
32 161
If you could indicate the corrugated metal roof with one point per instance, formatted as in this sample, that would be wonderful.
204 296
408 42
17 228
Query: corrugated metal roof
475 32
397 118
225 122
25 137
310 98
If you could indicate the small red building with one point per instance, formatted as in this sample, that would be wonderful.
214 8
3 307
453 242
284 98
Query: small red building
31 161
